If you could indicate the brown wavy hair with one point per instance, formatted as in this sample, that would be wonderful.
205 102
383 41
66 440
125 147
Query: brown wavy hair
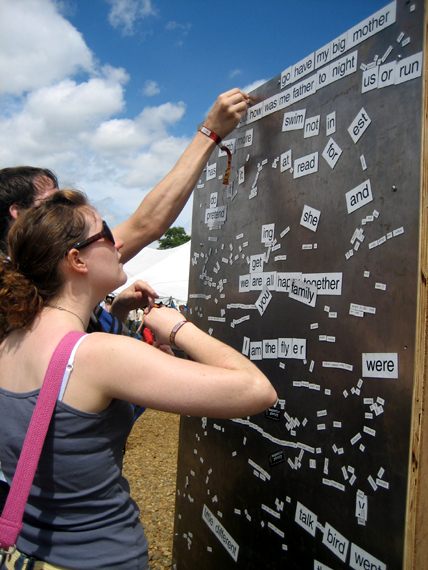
37 243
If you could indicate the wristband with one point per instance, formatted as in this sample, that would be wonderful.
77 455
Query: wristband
210 134
214 136
174 331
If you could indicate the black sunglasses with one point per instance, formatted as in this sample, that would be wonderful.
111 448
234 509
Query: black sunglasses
104 233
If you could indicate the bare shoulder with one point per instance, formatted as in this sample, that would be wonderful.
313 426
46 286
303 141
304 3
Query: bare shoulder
102 345
116 366
110 352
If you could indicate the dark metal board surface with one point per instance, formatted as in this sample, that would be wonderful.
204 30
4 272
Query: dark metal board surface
307 262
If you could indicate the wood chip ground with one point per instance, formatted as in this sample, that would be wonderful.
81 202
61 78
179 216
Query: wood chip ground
151 469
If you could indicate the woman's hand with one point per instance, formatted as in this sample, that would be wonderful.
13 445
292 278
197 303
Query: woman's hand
161 321
139 294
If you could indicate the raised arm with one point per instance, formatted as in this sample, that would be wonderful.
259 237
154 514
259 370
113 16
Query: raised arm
220 382
162 205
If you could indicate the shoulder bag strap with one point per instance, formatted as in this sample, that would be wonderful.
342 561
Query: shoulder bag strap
13 512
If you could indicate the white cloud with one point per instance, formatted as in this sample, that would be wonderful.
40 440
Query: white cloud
127 136
124 14
151 88
155 119
53 119
117 136
235 73
75 106
150 166
172 25
38 46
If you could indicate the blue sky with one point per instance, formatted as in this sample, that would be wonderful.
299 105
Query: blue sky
108 92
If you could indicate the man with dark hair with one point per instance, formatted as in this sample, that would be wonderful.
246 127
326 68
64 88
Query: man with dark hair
22 187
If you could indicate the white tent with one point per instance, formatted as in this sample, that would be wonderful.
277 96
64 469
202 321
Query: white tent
166 270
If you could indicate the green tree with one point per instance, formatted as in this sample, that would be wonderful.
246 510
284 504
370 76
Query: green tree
173 237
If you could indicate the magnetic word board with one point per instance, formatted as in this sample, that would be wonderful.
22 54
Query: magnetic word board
309 262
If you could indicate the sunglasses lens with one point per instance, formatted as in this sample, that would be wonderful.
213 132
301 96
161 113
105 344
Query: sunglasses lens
107 233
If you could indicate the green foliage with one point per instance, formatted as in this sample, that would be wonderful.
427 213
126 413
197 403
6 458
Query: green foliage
173 237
